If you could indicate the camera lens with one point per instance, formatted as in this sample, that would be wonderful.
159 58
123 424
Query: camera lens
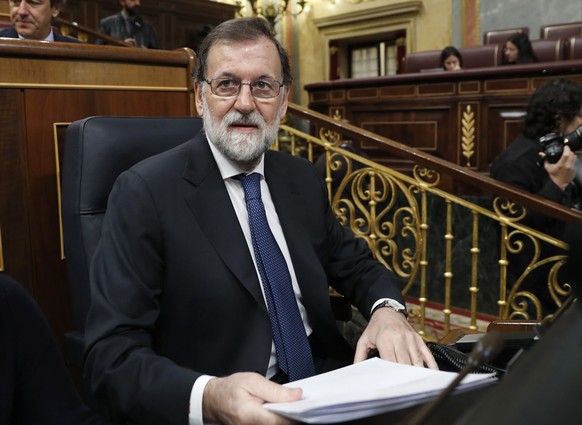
574 139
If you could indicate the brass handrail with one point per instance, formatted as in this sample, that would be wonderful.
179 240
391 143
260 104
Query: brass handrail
85 30
458 172
439 258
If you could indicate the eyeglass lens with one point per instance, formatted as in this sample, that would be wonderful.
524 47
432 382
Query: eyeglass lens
263 88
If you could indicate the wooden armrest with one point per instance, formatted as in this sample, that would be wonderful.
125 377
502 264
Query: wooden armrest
513 325
455 334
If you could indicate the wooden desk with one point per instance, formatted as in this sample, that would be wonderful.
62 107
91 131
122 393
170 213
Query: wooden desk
465 117
43 88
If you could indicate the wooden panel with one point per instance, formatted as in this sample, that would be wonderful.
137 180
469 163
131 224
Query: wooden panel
43 202
503 122
367 93
446 89
496 86
16 253
90 74
469 87
337 95
424 129
179 23
398 91
318 97
42 89
422 109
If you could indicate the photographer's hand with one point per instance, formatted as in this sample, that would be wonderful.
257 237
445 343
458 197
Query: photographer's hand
563 171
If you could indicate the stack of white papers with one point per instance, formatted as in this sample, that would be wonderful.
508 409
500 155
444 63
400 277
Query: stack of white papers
369 388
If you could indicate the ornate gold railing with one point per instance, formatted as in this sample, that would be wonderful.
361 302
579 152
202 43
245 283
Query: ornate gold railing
452 251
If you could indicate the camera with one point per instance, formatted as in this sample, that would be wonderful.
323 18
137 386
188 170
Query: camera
553 144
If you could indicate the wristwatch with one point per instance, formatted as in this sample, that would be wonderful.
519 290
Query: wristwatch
392 305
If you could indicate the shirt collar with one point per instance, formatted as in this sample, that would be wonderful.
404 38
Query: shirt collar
228 168
49 37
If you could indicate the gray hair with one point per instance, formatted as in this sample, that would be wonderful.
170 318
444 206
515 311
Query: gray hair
241 29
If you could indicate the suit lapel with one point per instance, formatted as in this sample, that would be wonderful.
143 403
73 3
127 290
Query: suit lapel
212 208
291 206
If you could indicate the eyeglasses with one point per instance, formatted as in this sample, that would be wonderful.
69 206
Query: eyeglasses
263 88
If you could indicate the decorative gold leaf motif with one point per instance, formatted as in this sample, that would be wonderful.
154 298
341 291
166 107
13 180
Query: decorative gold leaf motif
468 134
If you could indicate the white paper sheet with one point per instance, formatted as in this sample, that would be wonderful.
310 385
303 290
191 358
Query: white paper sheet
368 388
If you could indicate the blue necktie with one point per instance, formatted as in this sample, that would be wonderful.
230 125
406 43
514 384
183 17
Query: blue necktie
291 343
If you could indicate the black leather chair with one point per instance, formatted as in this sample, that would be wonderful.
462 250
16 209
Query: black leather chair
97 150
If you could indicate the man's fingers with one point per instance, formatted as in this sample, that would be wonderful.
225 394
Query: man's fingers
429 360
362 352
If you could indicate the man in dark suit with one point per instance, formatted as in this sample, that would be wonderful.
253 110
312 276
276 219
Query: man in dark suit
35 386
32 21
130 27
179 329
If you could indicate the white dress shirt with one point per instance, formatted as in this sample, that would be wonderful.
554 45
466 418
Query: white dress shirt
50 37
237 196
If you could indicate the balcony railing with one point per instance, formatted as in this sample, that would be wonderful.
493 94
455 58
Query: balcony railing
454 251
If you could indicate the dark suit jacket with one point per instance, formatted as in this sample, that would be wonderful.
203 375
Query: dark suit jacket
518 165
35 387
175 293
144 32
11 33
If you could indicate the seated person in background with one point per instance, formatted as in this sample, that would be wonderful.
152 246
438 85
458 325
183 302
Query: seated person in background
128 26
200 245
518 50
32 20
554 107
451 59
35 386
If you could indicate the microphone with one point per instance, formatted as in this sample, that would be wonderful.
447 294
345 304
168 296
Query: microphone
484 351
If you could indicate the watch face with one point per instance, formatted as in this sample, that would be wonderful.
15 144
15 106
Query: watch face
391 304
397 307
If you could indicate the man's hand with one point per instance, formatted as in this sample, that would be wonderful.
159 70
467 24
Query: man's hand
563 171
239 398
390 333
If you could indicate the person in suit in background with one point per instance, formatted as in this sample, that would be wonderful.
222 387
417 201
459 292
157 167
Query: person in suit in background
518 50
451 59
35 386
32 21
181 327
130 27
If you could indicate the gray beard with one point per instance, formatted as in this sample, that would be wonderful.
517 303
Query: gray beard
243 149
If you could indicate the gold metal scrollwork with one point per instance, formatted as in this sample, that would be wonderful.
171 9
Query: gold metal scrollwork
393 213
468 132
331 136
507 210
425 177
369 202
520 302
